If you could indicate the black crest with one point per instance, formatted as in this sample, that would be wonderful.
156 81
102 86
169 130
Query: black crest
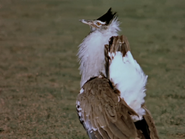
107 17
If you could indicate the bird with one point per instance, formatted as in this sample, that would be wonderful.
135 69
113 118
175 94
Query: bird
111 103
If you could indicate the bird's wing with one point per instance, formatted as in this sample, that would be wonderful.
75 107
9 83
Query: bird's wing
146 128
151 125
126 74
103 114
128 77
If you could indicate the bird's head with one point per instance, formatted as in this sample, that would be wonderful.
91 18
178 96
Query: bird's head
102 22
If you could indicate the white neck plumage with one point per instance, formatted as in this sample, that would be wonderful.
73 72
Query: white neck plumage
91 51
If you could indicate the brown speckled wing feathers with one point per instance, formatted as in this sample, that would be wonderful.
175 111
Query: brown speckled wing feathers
102 112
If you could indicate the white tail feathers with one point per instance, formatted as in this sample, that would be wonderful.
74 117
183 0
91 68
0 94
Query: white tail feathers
130 80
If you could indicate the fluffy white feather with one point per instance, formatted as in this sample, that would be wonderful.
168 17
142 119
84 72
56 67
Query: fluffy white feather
130 80
91 51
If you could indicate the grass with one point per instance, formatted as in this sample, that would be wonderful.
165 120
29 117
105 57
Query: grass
39 77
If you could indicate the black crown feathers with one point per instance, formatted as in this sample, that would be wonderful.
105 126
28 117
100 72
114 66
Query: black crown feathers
107 17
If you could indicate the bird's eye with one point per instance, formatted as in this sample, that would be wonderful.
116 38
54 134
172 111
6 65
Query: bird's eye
98 23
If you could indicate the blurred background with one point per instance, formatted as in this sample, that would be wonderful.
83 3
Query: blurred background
39 77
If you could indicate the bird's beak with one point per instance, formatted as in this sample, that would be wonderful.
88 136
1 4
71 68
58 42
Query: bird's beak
88 22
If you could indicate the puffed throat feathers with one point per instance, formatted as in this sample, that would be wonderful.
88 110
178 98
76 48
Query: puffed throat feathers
91 51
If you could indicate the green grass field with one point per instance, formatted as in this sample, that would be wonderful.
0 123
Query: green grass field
39 77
